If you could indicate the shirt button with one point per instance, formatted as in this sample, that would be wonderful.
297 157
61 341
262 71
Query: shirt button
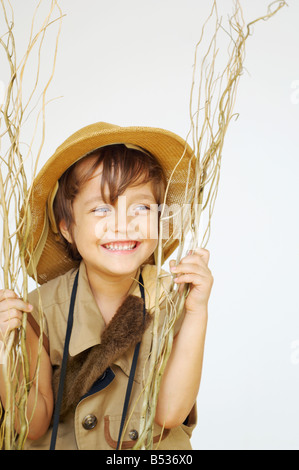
133 434
103 375
89 422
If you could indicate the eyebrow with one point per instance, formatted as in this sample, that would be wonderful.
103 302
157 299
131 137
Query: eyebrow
143 196
93 199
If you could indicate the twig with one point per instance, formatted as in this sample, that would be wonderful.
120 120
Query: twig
214 104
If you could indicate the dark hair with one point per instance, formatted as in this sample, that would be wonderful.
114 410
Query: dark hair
122 167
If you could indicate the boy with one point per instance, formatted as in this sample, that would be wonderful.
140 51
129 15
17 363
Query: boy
95 210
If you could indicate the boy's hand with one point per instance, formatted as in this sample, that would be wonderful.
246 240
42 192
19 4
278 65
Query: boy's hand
193 269
11 311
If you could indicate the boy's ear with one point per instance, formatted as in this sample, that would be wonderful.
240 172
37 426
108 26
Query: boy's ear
64 231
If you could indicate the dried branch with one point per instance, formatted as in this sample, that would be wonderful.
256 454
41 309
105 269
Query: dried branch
15 193
214 103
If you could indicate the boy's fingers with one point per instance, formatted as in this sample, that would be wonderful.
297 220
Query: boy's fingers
200 253
8 326
190 268
188 279
172 263
15 303
7 294
9 299
205 254
14 323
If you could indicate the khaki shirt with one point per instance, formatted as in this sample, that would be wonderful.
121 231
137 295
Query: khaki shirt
96 420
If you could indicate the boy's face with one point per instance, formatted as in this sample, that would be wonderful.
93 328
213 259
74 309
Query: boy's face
114 239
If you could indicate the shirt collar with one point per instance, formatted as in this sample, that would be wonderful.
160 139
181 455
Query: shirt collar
88 321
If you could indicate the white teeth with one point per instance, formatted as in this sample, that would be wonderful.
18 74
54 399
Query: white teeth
120 246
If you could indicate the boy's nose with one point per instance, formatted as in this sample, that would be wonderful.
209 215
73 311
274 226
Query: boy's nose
121 218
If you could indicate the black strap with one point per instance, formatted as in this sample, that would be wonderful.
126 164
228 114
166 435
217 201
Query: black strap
128 393
63 364
132 371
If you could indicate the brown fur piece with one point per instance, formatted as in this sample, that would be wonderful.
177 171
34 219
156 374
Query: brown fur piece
123 331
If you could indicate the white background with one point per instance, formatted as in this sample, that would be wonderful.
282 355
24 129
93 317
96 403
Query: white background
130 63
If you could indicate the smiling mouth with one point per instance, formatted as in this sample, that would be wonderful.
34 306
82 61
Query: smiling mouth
124 246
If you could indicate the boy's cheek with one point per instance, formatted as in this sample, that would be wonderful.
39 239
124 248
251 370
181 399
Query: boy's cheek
141 228
153 227
104 231
138 229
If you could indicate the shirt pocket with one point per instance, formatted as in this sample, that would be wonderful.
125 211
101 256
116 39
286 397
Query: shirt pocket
130 431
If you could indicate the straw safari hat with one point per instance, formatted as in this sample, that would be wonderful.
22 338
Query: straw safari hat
47 255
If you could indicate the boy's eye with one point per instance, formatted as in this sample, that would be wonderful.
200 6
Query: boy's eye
140 209
102 211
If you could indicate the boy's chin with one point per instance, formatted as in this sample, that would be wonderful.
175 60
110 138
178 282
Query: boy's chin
117 267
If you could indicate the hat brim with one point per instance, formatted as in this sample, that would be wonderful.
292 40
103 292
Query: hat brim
47 253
